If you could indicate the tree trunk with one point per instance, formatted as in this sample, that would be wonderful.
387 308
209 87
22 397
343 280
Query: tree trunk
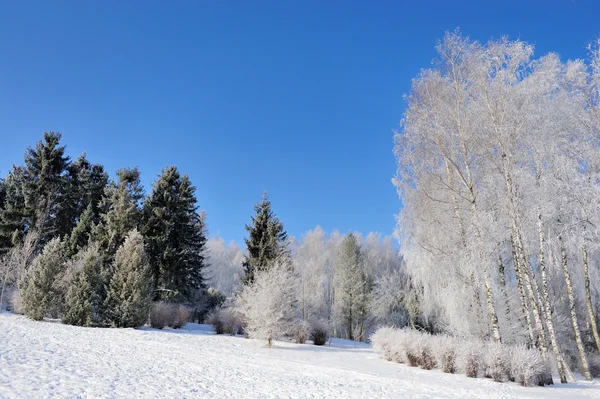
522 299
588 293
524 266
574 322
563 369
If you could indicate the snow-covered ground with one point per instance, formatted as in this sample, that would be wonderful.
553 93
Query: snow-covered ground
47 359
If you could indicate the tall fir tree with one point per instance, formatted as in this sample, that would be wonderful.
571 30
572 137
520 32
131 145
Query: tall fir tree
83 301
266 242
80 235
41 289
36 194
5 241
87 183
128 298
175 236
120 211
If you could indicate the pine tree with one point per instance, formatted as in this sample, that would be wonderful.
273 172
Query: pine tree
128 298
41 288
175 234
80 235
83 302
119 214
87 183
5 242
266 242
35 193
353 288
120 211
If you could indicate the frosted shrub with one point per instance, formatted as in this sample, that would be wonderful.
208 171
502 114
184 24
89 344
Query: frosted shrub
497 362
301 331
528 367
182 316
445 353
469 356
215 318
382 341
162 315
319 333
422 350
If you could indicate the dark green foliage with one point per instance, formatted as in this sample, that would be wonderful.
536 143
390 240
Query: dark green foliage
266 241
175 237
120 211
5 242
83 302
80 235
36 194
87 183
41 289
129 295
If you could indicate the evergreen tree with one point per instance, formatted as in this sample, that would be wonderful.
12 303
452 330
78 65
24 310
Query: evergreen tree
128 298
41 289
5 242
83 302
35 193
120 211
87 183
80 235
175 235
353 288
266 241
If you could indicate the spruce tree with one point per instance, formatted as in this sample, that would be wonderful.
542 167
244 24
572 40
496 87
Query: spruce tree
119 214
266 242
80 235
83 302
5 242
87 183
128 298
120 211
36 194
175 235
41 290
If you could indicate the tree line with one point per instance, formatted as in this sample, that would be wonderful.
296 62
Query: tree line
95 251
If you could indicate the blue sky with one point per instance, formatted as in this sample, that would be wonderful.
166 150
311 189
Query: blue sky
298 98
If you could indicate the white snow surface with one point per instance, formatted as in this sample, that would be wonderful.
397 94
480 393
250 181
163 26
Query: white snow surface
49 359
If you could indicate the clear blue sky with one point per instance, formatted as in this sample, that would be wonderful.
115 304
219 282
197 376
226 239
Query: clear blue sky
298 98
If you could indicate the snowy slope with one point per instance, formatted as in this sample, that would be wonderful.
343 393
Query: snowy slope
46 359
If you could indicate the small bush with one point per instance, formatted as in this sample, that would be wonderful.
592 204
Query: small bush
163 314
319 333
446 354
302 331
225 321
381 340
496 360
469 356
182 316
423 351
215 318
528 367
232 322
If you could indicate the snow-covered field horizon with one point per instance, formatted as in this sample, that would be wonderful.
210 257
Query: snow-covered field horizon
49 359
